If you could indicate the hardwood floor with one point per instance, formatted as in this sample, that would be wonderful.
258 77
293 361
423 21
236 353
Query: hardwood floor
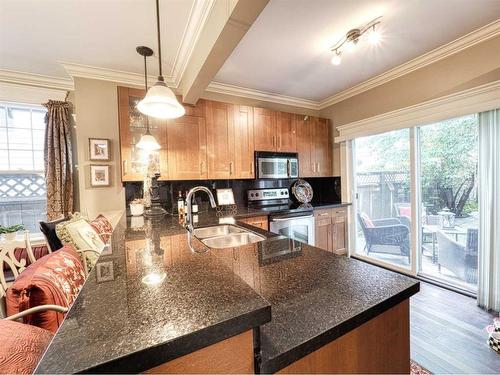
447 333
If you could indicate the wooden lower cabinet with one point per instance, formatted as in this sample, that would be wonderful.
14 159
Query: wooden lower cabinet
331 229
379 346
234 355
258 221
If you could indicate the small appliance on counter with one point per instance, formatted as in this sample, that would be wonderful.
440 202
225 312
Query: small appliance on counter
294 220
277 165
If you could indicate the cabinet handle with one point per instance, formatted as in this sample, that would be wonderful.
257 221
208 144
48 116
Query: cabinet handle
230 167
317 170
323 214
124 163
251 167
274 143
201 167
313 167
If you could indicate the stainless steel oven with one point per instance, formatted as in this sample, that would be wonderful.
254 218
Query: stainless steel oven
277 165
299 226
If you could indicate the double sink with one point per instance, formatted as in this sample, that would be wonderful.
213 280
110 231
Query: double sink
226 235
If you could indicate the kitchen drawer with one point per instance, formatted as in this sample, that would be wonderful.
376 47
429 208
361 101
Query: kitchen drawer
323 213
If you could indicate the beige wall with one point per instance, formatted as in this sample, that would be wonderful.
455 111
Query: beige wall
469 68
96 111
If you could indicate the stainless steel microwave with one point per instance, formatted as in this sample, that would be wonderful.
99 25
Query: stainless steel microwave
277 164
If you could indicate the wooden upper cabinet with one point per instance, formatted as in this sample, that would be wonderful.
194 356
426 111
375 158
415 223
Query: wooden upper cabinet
220 139
264 125
243 142
286 134
132 125
323 148
187 148
305 146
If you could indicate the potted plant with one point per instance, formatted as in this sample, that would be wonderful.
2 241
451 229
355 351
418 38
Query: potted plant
137 207
10 232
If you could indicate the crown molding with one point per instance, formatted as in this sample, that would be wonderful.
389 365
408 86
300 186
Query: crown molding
477 36
105 74
37 80
224 88
197 18
477 99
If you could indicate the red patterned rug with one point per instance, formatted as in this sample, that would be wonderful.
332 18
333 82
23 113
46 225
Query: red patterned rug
416 369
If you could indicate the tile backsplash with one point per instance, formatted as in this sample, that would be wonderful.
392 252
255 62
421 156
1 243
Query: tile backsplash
326 189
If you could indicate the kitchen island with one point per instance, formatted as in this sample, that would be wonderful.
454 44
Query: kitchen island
151 302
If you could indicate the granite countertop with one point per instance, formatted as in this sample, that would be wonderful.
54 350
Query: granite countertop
120 324
124 325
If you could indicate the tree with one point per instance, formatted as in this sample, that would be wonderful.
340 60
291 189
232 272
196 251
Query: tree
448 161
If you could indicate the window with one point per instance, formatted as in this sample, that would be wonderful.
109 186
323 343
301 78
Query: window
22 183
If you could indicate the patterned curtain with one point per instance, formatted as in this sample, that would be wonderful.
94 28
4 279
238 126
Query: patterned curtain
58 160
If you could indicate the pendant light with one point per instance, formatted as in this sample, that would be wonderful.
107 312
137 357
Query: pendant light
160 100
147 141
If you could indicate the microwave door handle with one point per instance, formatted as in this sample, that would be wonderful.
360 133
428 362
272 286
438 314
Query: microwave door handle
292 218
288 168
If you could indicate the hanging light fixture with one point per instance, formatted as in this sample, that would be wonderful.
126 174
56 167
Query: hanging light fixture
160 101
349 42
147 141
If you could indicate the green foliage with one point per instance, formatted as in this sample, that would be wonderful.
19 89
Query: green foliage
448 161
11 229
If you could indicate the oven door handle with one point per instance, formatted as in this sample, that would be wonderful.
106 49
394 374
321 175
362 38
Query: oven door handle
292 218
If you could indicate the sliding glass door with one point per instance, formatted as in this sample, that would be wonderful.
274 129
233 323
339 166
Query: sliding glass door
449 200
383 209
416 200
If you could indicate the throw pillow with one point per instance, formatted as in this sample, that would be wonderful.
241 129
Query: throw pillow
103 227
368 222
22 347
55 279
48 228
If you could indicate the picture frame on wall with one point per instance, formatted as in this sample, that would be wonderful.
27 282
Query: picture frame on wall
99 149
99 175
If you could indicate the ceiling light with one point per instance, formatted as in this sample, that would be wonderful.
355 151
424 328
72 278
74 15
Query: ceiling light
147 141
160 101
336 59
351 39
373 37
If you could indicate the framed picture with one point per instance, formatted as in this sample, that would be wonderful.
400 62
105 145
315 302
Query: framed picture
99 175
99 149
105 271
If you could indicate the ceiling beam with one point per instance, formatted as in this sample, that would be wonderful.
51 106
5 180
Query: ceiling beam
227 23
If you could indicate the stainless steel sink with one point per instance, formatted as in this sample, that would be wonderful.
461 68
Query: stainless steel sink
216 231
232 240
226 235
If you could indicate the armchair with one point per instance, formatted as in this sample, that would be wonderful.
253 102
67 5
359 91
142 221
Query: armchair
386 232
459 259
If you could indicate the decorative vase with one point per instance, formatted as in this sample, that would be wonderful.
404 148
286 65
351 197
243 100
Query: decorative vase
136 209
10 236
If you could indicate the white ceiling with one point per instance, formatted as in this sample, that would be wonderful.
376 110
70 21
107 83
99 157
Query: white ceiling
286 51
36 34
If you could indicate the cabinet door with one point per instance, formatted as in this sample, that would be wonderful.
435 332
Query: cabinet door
220 139
322 148
339 229
132 125
286 132
304 145
323 233
243 142
187 150
264 122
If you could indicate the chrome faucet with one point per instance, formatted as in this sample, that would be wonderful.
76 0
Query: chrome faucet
189 215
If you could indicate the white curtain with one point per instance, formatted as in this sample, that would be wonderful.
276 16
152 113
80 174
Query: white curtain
489 210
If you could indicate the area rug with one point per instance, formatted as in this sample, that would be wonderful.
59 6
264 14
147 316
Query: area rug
416 369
